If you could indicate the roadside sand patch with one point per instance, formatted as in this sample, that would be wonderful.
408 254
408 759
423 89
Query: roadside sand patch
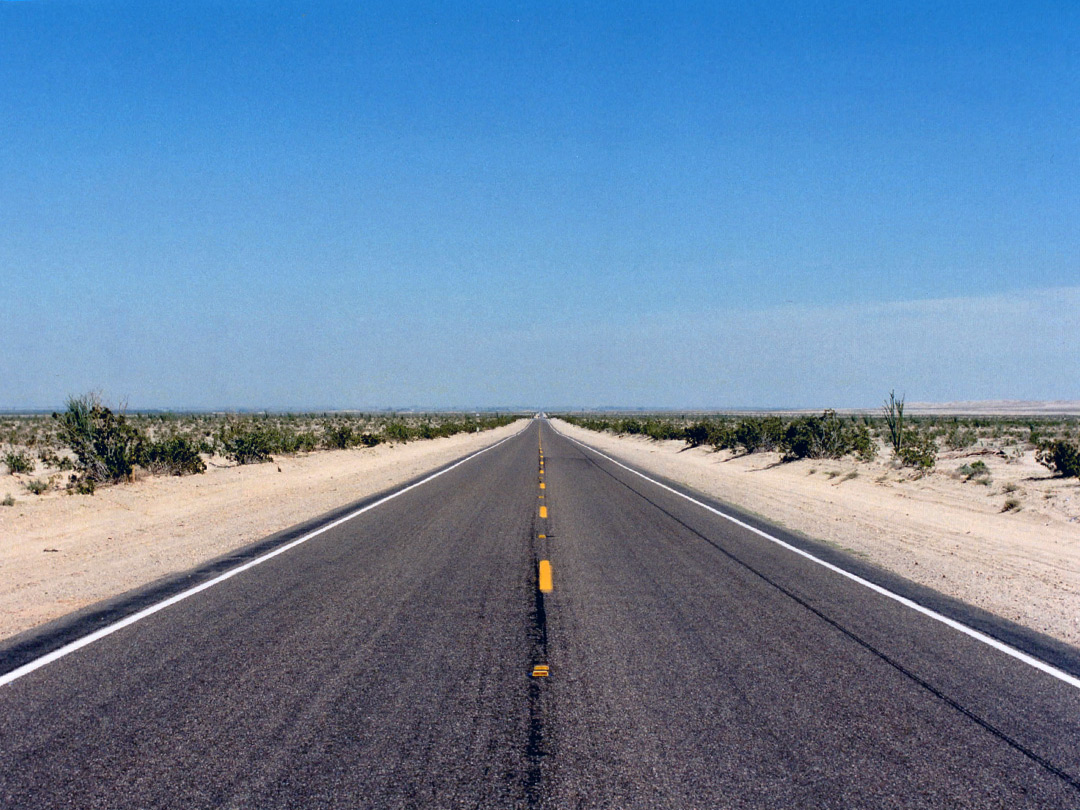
60 552
936 529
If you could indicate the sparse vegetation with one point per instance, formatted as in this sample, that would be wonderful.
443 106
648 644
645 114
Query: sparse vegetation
1061 456
975 471
1011 505
18 462
99 445
37 486
8 500
918 449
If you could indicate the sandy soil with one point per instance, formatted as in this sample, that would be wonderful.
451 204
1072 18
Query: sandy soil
936 529
61 552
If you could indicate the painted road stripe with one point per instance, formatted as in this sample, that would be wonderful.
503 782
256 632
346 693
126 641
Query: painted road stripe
97 635
545 576
1030 660
543 511
542 486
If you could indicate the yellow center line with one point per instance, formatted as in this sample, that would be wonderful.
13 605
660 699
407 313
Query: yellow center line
543 511
545 577
543 485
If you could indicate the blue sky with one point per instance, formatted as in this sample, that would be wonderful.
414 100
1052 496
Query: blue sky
311 205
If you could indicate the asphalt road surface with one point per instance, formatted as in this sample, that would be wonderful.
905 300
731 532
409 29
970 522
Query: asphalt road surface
391 661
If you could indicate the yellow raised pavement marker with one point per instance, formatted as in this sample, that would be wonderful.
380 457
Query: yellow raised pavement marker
542 485
541 671
543 511
545 577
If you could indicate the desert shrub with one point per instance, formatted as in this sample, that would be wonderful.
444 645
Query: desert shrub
663 429
293 441
81 485
369 439
176 455
815 437
8 500
105 444
958 438
722 436
37 486
246 443
759 434
18 462
861 442
698 433
1011 505
49 457
1061 456
976 471
397 432
918 450
338 436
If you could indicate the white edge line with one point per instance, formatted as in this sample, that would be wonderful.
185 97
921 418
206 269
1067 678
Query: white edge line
97 635
1053 671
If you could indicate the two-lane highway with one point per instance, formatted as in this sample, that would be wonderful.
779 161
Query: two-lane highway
539 627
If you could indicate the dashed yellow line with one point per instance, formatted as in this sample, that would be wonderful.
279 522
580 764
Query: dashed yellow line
543 485
545 577
543 511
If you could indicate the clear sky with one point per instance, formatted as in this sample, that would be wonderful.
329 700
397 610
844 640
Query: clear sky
341 204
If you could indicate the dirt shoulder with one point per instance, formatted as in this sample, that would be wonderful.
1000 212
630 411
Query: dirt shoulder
937 529
60 552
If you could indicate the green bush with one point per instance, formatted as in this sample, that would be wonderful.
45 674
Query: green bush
1063 457
757 434
176 455
918 450
338 436
397 432
959 439
106 445
861 443
246 443
976 470
37 486
698 434
18 462
815 437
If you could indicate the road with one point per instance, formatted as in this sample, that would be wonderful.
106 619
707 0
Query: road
388 662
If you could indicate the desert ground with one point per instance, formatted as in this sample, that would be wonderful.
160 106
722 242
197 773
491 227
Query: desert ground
938 528
61 552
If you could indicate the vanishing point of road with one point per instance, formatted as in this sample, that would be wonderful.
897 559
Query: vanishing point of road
538 626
